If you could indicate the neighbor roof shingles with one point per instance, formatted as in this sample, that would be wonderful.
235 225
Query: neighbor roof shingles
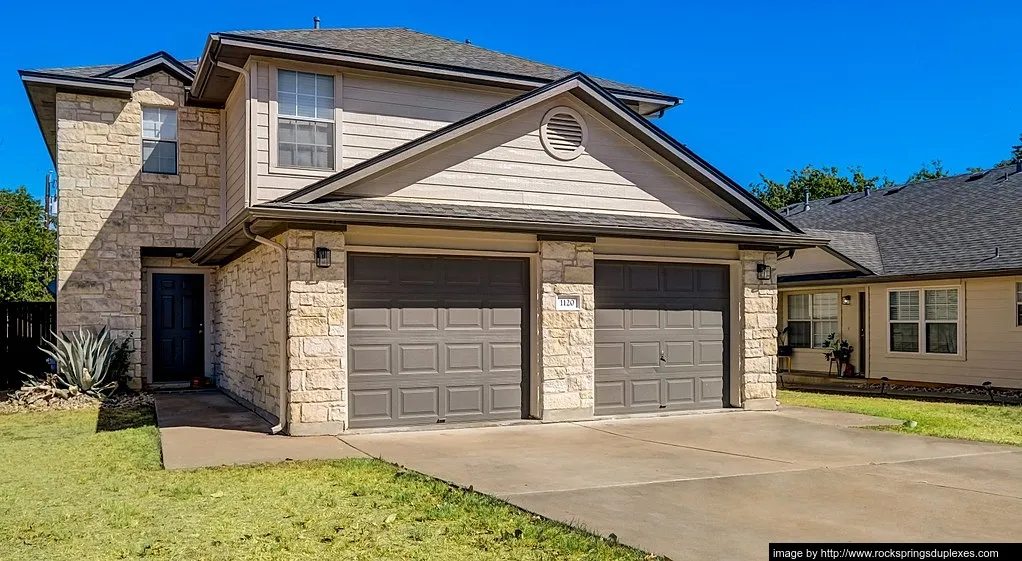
410 45
94 71
948 225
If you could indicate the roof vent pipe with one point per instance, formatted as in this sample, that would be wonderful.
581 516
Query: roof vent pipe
1018 165
807 200
315 22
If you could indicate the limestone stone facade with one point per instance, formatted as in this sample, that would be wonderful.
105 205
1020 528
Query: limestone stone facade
246 329
110 210
566 348
317 338
758 319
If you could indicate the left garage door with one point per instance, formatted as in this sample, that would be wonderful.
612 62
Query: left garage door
435 339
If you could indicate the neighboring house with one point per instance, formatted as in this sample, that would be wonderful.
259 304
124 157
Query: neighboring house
377 227
924 279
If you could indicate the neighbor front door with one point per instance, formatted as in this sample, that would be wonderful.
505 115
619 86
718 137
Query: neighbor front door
178 322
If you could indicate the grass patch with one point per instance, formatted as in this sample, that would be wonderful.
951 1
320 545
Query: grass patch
1001 424
70 491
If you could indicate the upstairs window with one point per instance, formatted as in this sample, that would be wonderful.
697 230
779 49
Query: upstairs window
159 140
811 319
305 120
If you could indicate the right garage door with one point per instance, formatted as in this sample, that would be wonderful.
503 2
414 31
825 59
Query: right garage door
661 336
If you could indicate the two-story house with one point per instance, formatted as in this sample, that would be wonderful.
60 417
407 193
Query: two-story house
351 228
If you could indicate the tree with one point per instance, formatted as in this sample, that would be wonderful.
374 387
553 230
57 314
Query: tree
28 249
933 170
819 182
1016 155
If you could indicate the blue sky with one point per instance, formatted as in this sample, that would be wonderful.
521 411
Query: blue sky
768 86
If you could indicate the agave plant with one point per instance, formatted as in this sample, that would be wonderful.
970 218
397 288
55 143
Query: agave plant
83 360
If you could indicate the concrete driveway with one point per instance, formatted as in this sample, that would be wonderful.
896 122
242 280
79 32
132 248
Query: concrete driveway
723 486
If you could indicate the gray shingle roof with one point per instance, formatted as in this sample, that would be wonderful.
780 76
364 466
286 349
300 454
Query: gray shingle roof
530 217
407 44
948 225
860 247
96 70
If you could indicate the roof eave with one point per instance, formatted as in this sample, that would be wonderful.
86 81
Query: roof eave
107 86
875 279
218 40
210 254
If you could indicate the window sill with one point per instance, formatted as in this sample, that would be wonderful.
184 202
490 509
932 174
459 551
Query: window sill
960 357
165 178
302 172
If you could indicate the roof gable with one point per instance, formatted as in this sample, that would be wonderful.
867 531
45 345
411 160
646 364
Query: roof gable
159 60
588 96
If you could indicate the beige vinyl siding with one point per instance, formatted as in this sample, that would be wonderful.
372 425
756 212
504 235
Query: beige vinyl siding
505 164
812 360
992 344
811 260
234 163
375 114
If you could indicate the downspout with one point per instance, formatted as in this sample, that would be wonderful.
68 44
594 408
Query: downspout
282 387
248 127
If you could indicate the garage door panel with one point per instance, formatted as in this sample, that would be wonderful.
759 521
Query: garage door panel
369 360
418 402
418 358
646 393
370 405
610 395
680 391
439 336
674 308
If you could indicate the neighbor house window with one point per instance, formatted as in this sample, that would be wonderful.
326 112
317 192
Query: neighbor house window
811 319
932 328
159 140
1018 304
305 120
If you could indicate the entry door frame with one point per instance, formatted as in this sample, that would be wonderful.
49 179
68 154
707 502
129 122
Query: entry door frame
207 309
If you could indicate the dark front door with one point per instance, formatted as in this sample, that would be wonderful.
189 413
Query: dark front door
178 321
661 336
862 333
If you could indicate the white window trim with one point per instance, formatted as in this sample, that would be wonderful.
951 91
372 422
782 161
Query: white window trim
922 321
274 168
177 141
812 321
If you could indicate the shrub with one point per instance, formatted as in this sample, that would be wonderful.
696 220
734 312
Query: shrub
85 360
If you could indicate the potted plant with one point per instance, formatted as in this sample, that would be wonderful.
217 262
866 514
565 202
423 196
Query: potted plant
784 349
839 351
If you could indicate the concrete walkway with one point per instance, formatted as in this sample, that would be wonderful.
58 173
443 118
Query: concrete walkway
716 486
203 429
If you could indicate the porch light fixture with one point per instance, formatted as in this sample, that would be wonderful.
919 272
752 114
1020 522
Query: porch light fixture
764 272
322 257
846 300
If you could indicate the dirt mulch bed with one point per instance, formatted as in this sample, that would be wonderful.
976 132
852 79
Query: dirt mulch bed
131 400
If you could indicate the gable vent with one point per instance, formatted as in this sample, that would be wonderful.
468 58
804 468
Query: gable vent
563 133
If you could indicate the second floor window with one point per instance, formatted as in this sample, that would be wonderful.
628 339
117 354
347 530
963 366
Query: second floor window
305 120
159 140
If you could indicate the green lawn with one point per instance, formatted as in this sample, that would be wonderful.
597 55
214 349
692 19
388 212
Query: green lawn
68 491
988 423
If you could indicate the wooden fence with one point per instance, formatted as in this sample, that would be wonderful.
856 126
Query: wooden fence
23 326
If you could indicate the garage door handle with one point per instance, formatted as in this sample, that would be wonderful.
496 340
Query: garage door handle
663 357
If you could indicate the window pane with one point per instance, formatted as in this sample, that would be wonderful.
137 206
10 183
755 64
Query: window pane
904 305
159 157
287 104
306 105
798 334
825 305
306 144
306 83
942 338
159 123
822 330
286 155
942 304
798 306
287 81
905 337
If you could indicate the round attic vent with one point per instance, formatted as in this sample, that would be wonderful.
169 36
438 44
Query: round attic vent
563 133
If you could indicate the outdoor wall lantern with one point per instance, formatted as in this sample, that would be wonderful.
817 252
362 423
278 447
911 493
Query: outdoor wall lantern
323 257
764 272
846 300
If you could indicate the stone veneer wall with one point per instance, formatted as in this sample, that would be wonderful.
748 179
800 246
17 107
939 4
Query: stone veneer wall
317 337
109 209
246 325
758 318
566 366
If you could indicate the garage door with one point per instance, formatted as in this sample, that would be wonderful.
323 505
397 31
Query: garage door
661 336
435 339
